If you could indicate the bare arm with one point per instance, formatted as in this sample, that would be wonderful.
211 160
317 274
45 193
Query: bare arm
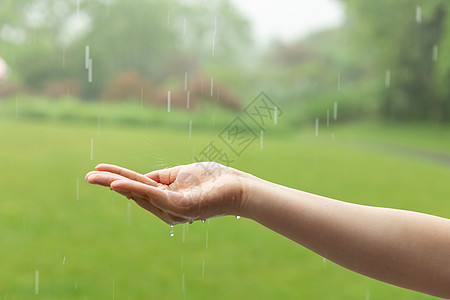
404 248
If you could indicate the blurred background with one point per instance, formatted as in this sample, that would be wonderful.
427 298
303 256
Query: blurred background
356 100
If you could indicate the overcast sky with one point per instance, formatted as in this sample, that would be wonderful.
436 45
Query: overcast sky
290 19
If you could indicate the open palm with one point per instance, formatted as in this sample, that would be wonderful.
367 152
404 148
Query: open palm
179 194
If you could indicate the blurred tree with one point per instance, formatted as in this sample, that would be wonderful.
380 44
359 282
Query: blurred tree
46 40
22 23
389 58
397 39
441 74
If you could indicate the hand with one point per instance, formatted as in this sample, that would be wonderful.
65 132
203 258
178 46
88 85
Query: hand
180 194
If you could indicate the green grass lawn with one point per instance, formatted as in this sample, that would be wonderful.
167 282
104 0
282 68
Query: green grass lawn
88 243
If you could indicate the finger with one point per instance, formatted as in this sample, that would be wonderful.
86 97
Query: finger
103 178
127 193
167 216
142 202
158 198
164 216
88 174
126 173
164 176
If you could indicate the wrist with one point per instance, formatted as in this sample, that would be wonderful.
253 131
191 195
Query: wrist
251 192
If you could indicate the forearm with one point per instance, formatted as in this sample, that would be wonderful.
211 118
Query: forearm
407 249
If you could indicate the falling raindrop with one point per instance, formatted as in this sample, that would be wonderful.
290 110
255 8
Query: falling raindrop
335 108
185 81
387 79
90 70
435 53
86 57
418 14
168 18
88 63
212 86
214 36
238 217
203 221
64 260
168 101
36 282
171 233
188 96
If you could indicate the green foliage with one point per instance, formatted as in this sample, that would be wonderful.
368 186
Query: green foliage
161 41
441 75
403 42
349 64
157 39
130 113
